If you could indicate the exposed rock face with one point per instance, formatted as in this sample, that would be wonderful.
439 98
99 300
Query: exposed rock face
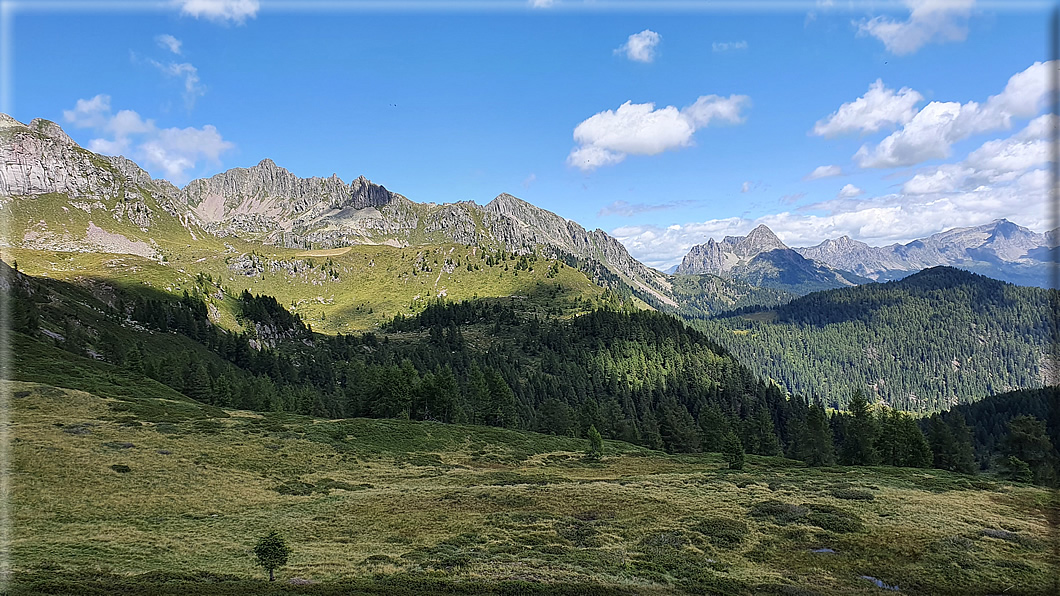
761 259
41 159
998 249
520 226
269 204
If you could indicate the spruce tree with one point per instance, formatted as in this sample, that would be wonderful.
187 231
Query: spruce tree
819 450
596 444
859 446
733 451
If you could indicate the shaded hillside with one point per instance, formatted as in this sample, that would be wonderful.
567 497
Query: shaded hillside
924 343
642 377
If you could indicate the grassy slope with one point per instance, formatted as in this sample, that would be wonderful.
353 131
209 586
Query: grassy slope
373 283
427 506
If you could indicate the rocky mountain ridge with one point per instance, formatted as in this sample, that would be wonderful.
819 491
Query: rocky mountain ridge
761 259
1000 249
266 203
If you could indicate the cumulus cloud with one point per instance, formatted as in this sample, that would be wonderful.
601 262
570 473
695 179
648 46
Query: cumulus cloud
640 47
193 89
996 161
171 152
933 130
89 113
221 11
606 138
168 42
880 107
823 172
929 21
1003 178
849 191
725 46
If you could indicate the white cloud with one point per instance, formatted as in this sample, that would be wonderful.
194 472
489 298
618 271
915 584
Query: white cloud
880 107
168 42
931 133
878 221
995 162
849 191
222 11
529 180
542 3
823 172
1003 178
725 46
176 150
930 21
169 152
714 107
746 187
89 113
639 129
640 47
192 87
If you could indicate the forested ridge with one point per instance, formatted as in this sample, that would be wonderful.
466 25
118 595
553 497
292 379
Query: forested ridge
638 376
922 344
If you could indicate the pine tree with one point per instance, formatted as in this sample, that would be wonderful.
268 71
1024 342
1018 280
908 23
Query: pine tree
1028 442
733 451
596 444
859 445
819 450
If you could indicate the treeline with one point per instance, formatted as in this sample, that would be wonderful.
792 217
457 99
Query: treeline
1023 424
922 344
640 376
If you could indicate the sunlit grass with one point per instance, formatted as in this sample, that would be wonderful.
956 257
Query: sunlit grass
397 499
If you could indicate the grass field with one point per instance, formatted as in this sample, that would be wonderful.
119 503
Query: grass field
144 495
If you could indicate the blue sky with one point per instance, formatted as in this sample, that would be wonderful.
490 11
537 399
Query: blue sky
662 127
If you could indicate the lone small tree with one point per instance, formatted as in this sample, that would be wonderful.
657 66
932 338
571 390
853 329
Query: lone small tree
733 451
272 552
596 444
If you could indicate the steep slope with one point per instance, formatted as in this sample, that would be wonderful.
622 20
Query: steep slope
924 343
999 249
46 177
761 259
54 195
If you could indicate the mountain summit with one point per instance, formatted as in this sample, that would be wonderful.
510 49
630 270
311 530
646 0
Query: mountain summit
268 204
1000 249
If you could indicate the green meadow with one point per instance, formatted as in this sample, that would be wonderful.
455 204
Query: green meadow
137 490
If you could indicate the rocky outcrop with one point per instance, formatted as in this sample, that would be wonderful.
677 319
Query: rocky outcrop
719 258
761 259
41 159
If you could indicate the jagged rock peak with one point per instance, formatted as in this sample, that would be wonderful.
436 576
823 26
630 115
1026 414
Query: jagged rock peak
51 129
9 122
505 198
762 239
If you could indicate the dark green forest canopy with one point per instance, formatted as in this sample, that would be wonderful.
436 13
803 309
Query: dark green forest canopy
639 376
922 344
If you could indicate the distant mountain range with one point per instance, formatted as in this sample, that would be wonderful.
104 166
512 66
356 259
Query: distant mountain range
1000 249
